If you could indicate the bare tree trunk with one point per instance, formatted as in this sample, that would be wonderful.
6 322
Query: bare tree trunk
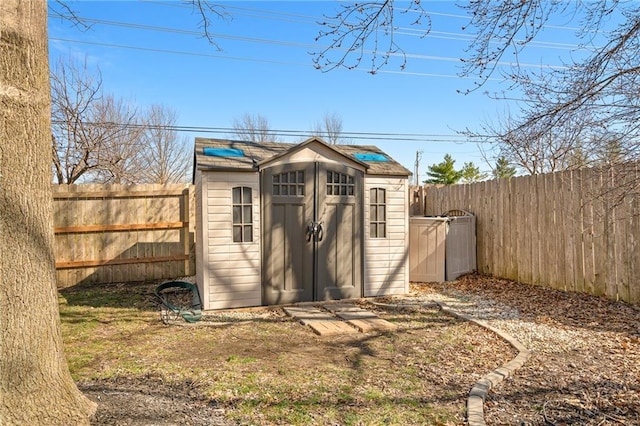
35 385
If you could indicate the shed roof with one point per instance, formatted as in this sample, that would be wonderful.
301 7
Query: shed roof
254 154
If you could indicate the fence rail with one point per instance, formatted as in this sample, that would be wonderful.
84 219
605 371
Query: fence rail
573 231
111 233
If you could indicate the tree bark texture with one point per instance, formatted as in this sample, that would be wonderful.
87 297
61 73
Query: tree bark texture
35 385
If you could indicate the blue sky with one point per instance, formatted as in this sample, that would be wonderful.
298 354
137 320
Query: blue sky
152 52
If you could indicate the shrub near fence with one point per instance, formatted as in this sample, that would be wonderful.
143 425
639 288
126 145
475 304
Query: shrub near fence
572 231
117 233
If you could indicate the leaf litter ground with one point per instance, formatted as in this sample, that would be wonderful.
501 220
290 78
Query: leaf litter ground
585 362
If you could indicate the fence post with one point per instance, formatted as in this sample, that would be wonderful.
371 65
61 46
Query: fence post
186 240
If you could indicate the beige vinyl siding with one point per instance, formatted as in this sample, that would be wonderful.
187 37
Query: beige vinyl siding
200 214
386 268
232 273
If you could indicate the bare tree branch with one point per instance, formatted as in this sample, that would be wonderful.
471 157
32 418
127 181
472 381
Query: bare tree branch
119 129
254 128
166 156
94 137
207 11
330 129
361 29
507 26
74 93
69 14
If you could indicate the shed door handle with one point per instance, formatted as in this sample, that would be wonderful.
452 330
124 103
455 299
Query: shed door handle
315 231
311 230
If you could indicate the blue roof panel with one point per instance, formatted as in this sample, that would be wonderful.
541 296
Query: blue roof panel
223 152
371 156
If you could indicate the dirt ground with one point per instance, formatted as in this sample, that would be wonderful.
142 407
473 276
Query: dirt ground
584 369
150 402
291 362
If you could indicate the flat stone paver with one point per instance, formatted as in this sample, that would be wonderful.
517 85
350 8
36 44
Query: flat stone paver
306 314
321 322
338 318
361 319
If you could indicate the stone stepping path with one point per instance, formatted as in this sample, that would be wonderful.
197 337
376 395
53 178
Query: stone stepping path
339 318
361 319
321 322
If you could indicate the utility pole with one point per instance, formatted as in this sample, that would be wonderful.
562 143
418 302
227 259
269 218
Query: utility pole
416 168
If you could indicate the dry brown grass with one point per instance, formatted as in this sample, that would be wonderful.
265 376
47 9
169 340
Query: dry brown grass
260 367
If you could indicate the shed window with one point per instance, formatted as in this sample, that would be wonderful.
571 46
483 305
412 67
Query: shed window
289 183
340 184
242 214
378 213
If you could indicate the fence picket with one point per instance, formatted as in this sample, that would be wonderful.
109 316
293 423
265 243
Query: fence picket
633 240
535 230
524 237
578 213
560 212
623 266
502 232
572 276
546 234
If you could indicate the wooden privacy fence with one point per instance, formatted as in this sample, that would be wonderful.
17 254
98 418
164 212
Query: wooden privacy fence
573 230
117 233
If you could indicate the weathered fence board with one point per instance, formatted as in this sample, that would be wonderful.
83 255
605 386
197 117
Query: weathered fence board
115 233
634 245
573 231
536 243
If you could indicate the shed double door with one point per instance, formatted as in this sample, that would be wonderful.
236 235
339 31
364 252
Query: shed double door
312 232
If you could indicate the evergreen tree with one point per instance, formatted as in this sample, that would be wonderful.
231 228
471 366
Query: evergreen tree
503 169
612 151
578 158
471 173
444 172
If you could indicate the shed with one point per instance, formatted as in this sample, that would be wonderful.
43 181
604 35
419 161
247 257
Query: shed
282 223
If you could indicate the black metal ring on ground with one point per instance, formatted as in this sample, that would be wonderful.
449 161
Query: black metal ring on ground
193 313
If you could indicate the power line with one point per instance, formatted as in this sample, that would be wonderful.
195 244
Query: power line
412 31
468 37
445 35
399 30
194 33
415 31
325 18
238 58
270 61
380 136
274 14
176 52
